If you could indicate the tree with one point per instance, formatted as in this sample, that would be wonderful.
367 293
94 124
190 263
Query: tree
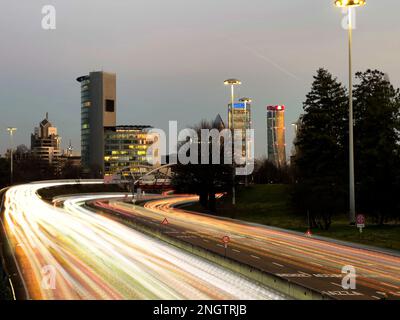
4 172
377 151
321 157
71 171
21 152
266 172
32 169
205 180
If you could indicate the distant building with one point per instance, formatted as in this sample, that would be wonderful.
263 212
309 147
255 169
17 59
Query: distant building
296 126
276 145
70 160
239 118
218 123
127 148
45 144
98 110
108 149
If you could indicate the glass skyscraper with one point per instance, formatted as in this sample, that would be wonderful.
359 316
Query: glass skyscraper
276 145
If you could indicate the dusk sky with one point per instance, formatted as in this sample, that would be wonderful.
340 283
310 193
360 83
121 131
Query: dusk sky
171 58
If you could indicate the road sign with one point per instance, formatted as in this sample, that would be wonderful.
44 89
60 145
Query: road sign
165 222
226 239
360 222
360 219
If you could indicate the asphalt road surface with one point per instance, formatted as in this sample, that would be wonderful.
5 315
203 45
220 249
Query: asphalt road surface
74 253
311 262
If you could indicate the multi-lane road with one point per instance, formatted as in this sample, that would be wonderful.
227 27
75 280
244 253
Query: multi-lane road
72 252
313 263
75 253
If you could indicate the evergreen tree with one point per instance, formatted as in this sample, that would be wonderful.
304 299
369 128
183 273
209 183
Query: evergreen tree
377 155
321 161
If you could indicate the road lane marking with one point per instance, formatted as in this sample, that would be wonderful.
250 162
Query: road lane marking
255 257
235 250
337 284
375 297
220 245
277 264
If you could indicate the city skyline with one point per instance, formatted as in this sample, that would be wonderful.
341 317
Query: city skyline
200 155
185 71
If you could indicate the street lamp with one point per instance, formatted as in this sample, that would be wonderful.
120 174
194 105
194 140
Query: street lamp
11 131
350 4
232 83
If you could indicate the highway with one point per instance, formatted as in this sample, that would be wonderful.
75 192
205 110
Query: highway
75 253
313 263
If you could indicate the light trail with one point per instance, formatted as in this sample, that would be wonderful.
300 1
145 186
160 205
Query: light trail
376 270
94 257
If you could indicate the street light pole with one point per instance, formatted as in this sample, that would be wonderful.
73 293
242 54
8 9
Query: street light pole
11 133
351 124
232 83
350 4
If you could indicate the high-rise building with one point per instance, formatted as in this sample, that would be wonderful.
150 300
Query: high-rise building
45 144
239 118
276 145
98 110
126 150
108 149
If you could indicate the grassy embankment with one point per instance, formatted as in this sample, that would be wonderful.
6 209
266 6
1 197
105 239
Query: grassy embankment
271 205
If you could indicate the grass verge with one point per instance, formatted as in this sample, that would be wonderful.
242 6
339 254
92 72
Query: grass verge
271 205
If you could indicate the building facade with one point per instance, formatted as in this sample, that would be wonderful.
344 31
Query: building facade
98 111
45 144
127 150
239 118
276 131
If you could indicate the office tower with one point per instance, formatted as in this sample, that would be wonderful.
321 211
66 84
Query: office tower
98 110
276 146
126 150
218 123
45 144
239 118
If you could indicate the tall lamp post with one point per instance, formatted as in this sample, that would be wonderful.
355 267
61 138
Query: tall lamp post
11 133
232 83
350 4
